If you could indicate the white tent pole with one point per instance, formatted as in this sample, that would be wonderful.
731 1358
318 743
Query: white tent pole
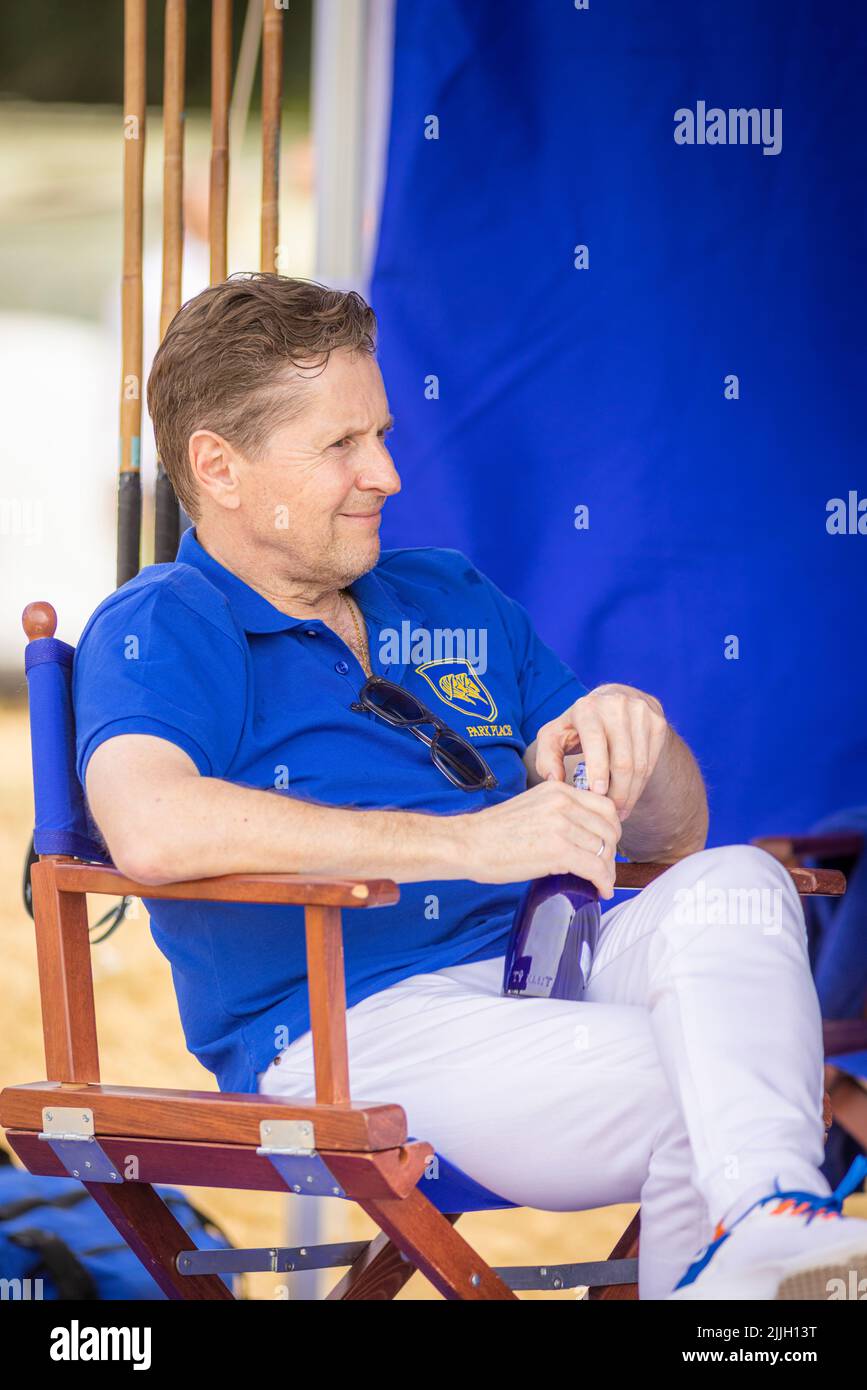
339 65
377 127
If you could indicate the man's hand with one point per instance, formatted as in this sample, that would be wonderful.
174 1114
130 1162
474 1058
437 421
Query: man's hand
635 757
621 732
551 829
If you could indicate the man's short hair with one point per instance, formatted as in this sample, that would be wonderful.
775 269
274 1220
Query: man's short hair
227 348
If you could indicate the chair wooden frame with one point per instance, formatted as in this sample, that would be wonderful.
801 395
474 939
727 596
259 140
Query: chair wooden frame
211 1139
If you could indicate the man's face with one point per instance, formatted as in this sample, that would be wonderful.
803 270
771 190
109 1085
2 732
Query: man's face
315 494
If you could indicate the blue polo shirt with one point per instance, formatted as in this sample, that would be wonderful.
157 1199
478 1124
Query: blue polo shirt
189 653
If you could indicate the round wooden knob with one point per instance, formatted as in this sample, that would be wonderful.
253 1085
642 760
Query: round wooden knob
39 620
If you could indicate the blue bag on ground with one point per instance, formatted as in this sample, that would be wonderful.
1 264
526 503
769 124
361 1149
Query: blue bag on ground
51 1229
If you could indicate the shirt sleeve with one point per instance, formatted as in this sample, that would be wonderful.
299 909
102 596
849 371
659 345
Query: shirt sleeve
149 663
547 685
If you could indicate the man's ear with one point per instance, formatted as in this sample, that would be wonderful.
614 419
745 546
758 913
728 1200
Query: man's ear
216 468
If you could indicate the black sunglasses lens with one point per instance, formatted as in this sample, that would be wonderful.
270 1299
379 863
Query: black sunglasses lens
393 702
452 755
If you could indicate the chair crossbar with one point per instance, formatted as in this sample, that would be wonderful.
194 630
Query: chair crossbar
300 1259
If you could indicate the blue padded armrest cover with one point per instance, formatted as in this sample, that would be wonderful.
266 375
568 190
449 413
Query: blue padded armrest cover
63 825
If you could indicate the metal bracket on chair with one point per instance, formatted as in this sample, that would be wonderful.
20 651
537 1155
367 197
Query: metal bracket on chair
69 1131
286 1137
595 1274
289 1145
276 1260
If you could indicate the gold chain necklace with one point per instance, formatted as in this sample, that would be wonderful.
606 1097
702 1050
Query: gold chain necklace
359 650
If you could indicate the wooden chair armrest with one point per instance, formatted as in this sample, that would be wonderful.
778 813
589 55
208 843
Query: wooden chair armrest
842 1035
142 1112
809 882
73 877
790 849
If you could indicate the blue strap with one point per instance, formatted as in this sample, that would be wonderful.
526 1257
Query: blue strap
853 1179
44 649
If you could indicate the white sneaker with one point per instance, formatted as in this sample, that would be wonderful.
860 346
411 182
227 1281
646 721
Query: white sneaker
786 1245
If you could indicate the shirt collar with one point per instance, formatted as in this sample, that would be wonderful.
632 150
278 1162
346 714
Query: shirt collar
374 594
376 597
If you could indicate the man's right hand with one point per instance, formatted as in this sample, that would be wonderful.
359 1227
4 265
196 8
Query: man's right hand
551 829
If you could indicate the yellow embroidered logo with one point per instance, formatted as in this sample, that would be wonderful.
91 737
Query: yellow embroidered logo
458 685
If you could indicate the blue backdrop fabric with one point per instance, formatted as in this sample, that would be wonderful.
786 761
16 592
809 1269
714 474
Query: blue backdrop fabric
605 387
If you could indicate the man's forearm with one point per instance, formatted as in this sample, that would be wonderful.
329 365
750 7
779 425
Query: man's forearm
214 827
670 818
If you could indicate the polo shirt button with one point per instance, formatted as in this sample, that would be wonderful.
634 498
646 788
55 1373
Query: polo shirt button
341 667
311 632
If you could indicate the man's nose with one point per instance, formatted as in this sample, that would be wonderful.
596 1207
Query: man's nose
377 472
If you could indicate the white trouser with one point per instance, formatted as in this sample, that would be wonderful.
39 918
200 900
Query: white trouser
689 1078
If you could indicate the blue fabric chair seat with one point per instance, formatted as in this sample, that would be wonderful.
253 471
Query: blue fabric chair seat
453 1190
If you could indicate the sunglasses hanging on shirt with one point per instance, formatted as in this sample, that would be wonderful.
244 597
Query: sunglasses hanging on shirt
456 759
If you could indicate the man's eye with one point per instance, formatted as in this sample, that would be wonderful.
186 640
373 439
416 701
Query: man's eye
339 443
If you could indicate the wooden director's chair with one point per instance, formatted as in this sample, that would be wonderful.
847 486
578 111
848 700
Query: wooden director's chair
120 1140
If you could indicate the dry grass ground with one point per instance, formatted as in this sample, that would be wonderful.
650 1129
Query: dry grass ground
141 1043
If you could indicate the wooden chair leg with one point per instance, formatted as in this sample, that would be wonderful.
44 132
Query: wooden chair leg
380 1273
434 1247
142 1218
625 1249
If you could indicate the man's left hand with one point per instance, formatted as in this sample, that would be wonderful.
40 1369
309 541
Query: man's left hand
621 732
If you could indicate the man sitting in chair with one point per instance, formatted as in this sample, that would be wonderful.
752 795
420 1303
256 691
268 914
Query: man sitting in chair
230 720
